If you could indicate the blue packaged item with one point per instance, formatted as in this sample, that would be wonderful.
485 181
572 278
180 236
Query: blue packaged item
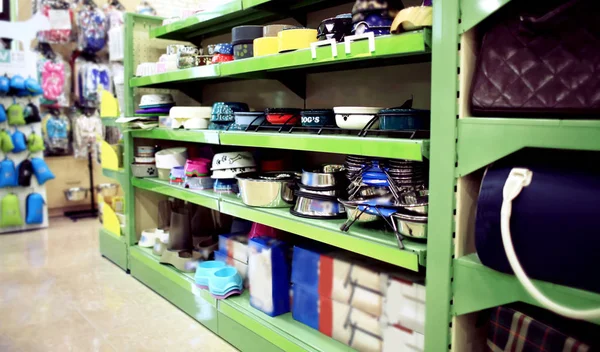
41 170
8 174
269 275
34 209
554 220
2 113
4 85
19 143
234 245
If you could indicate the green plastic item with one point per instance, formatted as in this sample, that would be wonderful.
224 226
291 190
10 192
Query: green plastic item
11 213
6 144
15 115
35 143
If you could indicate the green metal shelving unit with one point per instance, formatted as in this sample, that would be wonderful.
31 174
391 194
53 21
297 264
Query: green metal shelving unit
457 283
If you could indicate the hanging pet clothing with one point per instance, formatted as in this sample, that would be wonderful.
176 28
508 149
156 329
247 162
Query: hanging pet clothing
34 209
24 173
60 17
11 212
92 29
41 170
55 130
85 132
52 75
18 140
6 144
8 174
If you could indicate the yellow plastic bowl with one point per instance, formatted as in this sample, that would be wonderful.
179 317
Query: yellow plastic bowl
266 46
293 39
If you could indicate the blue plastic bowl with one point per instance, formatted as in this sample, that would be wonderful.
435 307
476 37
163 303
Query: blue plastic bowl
205 270
225 280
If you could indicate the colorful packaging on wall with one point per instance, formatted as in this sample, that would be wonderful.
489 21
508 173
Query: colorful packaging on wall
93 26
60 18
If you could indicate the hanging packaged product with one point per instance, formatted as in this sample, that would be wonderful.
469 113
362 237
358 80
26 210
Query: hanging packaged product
85 131
41 171
11 212
35 142
54 76
16 116
116 35
2 113
34 209
18 140
93 26
24 173
6 143
55 130
60 18
91 78
8 174
32 114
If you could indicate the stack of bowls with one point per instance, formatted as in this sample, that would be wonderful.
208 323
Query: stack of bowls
242 38
144 162
389 189
197 174
269 43
155 104
167 159
318 192
223 114
335 27
267 189
374 16
190 117
244 119
223 52
219 279
226 166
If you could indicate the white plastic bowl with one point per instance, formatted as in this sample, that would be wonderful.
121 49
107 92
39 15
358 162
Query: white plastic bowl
355 117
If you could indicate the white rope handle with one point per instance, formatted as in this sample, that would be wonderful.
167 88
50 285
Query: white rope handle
517 179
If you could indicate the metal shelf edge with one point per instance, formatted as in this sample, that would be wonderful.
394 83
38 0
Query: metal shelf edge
203 198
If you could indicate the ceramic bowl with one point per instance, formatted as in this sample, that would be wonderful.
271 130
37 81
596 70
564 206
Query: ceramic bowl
404 119
355 117
335 28
225 111
245 34
247 118
280 116
144 170
317 118
243 51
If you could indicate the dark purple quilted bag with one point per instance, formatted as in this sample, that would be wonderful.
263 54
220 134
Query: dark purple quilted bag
539 58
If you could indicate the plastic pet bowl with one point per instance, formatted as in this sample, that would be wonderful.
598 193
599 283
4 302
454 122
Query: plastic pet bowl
225 280
205 270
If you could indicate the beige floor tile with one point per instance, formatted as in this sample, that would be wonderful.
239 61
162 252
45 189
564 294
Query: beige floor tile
57 293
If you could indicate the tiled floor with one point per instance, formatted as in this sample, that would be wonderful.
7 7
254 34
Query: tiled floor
58 294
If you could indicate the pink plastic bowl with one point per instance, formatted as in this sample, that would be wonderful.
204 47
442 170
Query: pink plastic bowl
197 167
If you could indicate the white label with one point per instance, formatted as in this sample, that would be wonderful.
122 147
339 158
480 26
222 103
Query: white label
59 19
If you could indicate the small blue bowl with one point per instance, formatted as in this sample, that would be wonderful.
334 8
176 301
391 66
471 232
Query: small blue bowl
404 119
224 48
205 270
225 280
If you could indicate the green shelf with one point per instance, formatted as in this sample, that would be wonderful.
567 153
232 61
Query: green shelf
484 140
109 121
386 47
410 149
175 286
113 247
220 19
478 287
207 199
475 11
376 244
118 175
196 136
411 43
282 331
188 74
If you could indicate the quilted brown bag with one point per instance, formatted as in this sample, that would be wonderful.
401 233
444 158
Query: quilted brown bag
539 58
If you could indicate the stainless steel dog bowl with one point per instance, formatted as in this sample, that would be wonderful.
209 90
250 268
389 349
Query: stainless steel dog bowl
414 226
76 194
316 206
107 189
325 176
267 189
355 214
